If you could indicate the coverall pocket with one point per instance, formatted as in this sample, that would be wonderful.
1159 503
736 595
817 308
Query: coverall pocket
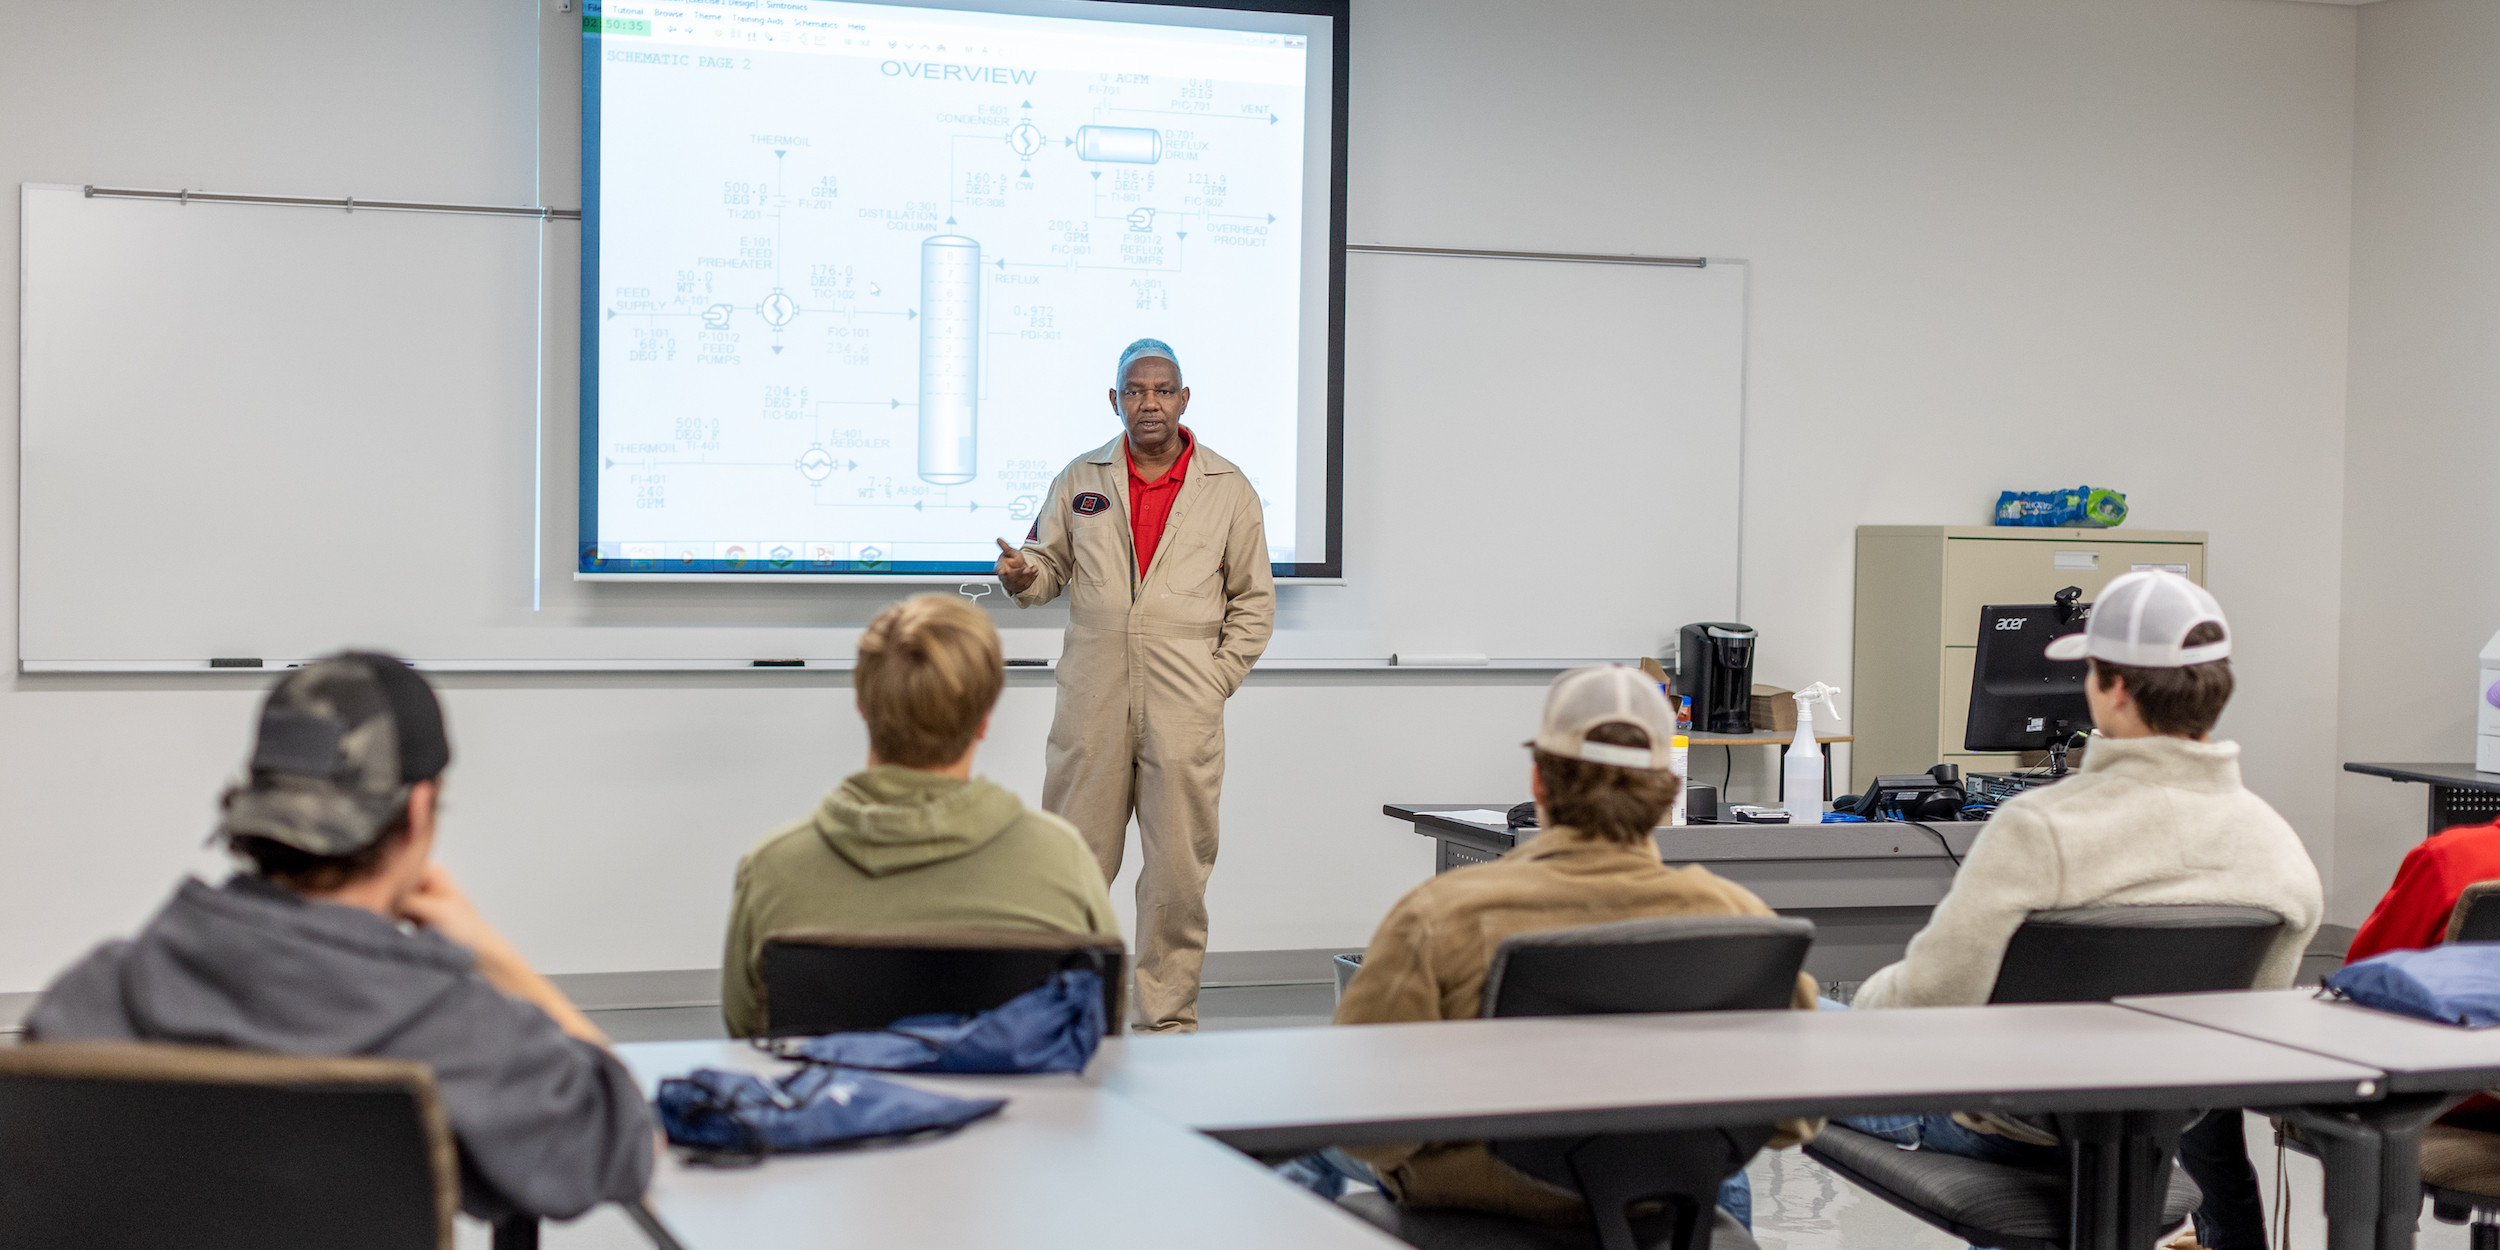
1098 554
1226 681
1196 569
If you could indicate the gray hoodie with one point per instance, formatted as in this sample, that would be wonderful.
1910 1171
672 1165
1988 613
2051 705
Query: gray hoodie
547 1124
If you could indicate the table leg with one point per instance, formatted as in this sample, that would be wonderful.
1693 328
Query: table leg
2119 1176
2349 1153
652 1229
2400 1122
2372 1156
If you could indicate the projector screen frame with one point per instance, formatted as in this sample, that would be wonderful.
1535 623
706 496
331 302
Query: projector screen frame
1329 570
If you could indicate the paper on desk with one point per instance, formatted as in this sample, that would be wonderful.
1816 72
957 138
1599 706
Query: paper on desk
1479 816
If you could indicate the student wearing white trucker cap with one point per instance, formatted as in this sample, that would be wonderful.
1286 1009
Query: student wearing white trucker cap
1602 781
2157 815
2155 620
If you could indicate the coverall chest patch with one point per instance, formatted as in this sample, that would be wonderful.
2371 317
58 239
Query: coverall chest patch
1089 503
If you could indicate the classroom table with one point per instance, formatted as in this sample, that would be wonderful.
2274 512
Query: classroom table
2460 795
1064 1165
2373 1160
1279 1092
1866 886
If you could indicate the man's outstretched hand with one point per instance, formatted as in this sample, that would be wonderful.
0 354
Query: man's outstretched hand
1014 571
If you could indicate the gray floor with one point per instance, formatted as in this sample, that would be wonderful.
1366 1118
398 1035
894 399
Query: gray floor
1219 1007
659 1024
1799 1206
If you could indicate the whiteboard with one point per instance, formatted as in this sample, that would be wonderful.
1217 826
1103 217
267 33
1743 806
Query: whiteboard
252 431
1541 459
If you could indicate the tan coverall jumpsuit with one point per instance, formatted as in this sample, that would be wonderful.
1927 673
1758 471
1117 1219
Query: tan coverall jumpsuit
1143 677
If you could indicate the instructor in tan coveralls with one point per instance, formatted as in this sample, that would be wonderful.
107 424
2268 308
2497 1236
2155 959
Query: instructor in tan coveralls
1160 545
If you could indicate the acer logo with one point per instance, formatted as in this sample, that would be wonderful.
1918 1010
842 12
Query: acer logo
2012 622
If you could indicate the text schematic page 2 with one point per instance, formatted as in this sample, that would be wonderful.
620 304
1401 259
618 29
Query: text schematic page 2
864 271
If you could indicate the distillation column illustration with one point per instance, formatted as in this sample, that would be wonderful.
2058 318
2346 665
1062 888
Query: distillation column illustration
950 357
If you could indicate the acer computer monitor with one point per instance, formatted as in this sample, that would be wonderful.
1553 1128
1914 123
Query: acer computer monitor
2020 699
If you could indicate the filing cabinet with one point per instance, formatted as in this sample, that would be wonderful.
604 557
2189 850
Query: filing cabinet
1919 591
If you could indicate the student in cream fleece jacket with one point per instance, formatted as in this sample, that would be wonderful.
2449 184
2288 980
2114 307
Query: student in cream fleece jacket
2157 815
2149 819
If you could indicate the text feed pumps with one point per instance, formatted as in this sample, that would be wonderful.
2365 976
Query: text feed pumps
863 272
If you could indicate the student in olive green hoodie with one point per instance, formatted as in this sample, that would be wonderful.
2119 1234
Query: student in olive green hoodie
914 841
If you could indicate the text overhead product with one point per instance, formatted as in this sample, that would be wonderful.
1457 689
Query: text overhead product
855 274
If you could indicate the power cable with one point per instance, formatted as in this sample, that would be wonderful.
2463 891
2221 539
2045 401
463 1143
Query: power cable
1938 834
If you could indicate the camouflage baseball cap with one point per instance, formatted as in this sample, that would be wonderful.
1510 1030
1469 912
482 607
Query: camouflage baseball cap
341 740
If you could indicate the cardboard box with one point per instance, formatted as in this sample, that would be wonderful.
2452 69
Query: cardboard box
1774 709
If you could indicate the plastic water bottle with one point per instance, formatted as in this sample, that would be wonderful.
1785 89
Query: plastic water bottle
1677 755
1801 772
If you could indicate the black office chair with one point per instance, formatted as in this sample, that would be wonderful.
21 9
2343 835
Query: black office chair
2476 917
132 1145
126 1145
1646 1191
825 981
2460 1167
2090 954
2461 1173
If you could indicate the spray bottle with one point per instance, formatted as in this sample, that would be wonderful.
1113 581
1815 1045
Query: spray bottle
1801 773
1679 758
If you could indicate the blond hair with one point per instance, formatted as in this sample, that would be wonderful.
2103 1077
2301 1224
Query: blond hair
930 668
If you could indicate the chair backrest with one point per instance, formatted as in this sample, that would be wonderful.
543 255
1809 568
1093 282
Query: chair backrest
828 981
1662 963
2094 954
2476 917
144 1145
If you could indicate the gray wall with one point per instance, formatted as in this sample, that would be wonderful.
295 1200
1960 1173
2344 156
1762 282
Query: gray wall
1992 245
2422 452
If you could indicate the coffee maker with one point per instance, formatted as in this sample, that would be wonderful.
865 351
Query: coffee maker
1715 670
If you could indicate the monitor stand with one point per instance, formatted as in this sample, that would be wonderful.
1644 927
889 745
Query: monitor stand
2057 755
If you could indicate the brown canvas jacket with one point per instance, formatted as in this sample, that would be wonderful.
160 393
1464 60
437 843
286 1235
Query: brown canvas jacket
1429 957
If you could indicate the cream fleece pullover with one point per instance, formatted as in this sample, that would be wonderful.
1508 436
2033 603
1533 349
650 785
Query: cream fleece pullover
2147 820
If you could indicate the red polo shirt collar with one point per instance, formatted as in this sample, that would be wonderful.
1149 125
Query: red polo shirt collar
1150 503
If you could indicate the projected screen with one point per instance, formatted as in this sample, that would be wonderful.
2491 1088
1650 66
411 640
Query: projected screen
855 276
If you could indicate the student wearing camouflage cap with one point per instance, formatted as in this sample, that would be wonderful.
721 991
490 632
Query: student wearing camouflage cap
341 936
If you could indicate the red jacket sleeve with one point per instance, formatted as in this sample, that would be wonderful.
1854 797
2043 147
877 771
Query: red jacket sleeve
2414 912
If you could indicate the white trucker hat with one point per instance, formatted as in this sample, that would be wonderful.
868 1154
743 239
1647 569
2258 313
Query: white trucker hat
1585 698
2142 619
